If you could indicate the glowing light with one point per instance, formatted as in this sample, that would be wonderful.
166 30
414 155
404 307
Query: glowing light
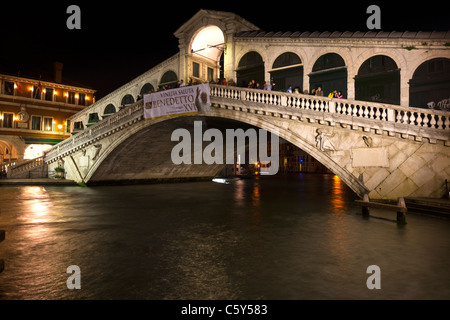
35 151
207 42
221 180
60 126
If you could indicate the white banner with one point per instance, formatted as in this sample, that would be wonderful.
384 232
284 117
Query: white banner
183 101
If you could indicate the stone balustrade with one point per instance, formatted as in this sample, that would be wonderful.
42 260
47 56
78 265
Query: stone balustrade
406 121
433 125
27 165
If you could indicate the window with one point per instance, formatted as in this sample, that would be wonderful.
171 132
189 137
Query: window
71 97
110 109
127 100
210 74
36 122
9 88
93 118
37 92
82 99
78 125
8 120
49 94
196 70
48 124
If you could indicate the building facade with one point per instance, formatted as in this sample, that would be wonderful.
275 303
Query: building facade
34 114
295 160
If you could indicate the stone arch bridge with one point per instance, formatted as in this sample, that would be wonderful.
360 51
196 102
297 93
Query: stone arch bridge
386 151
387 147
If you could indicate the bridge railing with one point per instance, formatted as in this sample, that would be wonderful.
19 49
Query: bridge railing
402 119
20 168
114 122
423 118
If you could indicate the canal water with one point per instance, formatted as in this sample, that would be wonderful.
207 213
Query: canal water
273 238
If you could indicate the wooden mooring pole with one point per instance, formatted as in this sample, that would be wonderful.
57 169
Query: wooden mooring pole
400 208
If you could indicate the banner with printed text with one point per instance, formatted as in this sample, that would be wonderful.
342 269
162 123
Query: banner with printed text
190 100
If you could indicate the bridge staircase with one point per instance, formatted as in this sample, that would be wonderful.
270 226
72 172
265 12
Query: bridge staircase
32 169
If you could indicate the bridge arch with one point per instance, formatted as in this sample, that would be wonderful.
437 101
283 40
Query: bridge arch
137 137
208 42
283 132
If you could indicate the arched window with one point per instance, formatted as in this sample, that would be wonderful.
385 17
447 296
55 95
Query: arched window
127 100
328 61
287 70
169 79
209 43
330 73
286 59
378 80
146 89
430 85
109 110
251 67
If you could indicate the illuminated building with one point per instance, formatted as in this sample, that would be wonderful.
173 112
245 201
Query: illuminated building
34 113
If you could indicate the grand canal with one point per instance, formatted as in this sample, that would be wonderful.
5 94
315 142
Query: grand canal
273 238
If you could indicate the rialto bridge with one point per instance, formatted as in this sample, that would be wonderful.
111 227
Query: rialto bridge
389 136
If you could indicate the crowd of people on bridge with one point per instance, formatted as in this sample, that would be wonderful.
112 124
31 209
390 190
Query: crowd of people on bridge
267 85
272 86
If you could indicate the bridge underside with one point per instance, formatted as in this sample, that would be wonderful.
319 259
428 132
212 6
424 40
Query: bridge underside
146 155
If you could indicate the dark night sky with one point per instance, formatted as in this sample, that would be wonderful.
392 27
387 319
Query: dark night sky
117 43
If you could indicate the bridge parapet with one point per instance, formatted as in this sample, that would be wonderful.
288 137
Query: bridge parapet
383 150
433 125
120 120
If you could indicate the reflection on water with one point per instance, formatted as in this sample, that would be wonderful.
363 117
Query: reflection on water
337 196
288 237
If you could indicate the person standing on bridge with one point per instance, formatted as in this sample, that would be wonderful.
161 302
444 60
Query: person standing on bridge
319 91
267 86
